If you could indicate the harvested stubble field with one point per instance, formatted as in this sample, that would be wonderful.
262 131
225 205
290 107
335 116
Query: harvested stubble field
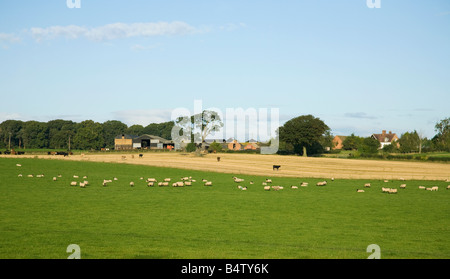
291 166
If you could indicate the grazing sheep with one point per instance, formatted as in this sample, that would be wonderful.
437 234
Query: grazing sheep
367 185
151 180
208 183
359 191
20 175
166 179
165 183
204 180
403 186
178 184
73 183
276 188
448 187
385 190
59 175
264 183
30 175
132 184
304 184
54 178
393 191
268 180
104 183
18 165
294 187
188 183
422 187
75 176
82 185
160 184
267 188
386 181
237 180
321 183
429 189
185 178
434 188
115 179
251 183
150 184
244 188
85 177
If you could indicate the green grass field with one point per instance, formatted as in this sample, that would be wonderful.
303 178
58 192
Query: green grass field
41 217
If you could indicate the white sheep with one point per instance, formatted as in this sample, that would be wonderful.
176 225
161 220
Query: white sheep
267 188
434 188
304 184
132 184
166 179
429 189
73 183
150 184
268 180
294 187
188 183
30 175
20 175
359 191
321 183
385 190
403 186
54 178
82 185
422 187
367 185
208 183
393 191
18 165
75 176
448 187
151 180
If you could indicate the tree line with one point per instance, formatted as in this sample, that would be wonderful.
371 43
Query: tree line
302 135
408 142
67 134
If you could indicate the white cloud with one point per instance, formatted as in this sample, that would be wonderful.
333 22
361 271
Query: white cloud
6 39
115 31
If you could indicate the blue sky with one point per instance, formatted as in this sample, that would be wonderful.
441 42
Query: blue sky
360 70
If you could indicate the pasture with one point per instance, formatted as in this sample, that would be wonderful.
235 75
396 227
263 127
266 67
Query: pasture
41 217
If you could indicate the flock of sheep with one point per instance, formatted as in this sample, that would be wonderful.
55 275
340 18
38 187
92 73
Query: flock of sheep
188 181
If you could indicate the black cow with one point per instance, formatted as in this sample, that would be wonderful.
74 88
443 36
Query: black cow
276 167
141 155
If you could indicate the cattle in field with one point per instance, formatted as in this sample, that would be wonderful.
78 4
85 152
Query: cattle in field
276 167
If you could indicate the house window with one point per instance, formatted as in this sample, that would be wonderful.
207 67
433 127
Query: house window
386 139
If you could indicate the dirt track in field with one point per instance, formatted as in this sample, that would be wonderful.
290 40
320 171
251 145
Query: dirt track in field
291 166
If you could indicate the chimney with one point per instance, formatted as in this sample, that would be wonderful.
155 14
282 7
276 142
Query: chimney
390 132
383 133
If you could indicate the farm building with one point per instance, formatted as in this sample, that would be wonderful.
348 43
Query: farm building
234 145
386 138
338 142
251 146
125 142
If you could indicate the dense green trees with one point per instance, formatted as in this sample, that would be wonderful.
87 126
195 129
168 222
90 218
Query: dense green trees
56 134
304 134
